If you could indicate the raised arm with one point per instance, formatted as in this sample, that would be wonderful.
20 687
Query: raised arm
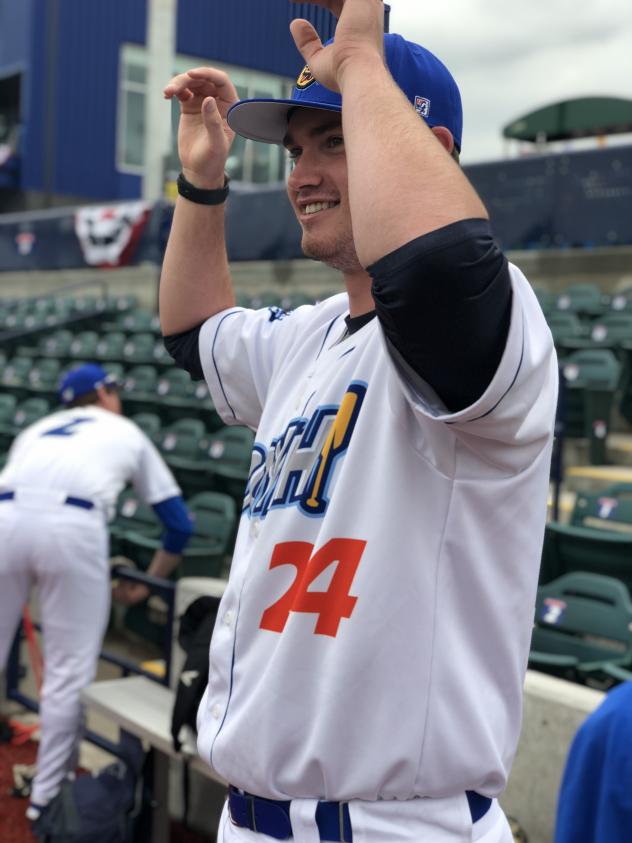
414 185
195 282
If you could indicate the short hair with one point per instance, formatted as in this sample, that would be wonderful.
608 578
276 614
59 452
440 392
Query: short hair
84 400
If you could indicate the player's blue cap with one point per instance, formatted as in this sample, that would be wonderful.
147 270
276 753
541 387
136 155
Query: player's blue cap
82 380
426 82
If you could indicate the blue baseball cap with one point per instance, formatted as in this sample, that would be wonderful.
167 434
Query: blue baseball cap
427 83
82 380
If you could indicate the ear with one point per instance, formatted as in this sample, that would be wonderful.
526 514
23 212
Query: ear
101 396
444 136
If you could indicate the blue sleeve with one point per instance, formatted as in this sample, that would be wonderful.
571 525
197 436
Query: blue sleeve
595 798
177 522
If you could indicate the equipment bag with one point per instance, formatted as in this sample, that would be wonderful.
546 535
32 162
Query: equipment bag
97 809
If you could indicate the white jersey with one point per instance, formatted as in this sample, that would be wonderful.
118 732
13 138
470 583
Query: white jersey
373 638
89 453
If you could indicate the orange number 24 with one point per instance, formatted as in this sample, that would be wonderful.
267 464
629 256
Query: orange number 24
331 605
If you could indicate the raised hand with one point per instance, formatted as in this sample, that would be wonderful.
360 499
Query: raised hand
359 33
204 138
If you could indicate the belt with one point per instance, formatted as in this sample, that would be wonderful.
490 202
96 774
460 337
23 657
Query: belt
69 501
272 816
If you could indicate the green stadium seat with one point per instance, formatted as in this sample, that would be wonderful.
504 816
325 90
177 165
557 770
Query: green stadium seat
181 444
208 550
229 455
43 378
582 630
149 423
116 369
620 302
14 376
132 516
138 389
84 345
56 344
569 333
591 378
30 411
110 346
122 303
139 349
609 509
583 299
138 321
594 550
8 404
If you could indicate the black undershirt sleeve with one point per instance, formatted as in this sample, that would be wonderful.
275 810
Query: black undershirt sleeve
185 350
444 302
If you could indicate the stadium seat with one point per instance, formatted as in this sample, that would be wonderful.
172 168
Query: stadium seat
139 349
56 344
149 423
138 321
593 550
110 346
582 630
209 548
7 408
138 389
609 509
30 411
178 396
584 299
84 345
569 333
43 378
14 375
133 516
25 413
613 330
229 452
591 378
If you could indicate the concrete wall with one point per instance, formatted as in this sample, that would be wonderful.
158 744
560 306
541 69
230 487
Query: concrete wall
610 268
553 711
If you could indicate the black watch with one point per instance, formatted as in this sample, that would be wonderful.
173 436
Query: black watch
201 196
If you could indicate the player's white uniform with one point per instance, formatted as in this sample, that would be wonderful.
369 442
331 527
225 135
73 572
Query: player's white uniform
374 634
86 453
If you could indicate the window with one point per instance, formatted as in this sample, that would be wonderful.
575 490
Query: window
131 124
248 161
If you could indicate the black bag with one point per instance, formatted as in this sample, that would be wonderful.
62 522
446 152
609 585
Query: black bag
97 809
196 628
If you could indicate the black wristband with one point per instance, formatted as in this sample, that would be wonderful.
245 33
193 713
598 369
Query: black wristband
201 196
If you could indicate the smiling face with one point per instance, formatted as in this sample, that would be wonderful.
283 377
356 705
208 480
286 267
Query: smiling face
318 187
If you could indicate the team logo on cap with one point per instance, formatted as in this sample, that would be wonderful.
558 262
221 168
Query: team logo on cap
305 79
422 107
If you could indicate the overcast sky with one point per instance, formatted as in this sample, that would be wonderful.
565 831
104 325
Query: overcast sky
510 58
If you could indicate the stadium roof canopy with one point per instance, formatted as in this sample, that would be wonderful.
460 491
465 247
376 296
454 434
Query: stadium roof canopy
577 118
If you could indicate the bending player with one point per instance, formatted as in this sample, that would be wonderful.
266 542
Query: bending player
57 492
366 680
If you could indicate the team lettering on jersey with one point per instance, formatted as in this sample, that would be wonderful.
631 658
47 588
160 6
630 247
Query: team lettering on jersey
298 466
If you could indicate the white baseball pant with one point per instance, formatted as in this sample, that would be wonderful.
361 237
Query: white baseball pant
63 551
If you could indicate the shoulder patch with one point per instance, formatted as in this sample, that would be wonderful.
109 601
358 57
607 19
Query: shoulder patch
305 79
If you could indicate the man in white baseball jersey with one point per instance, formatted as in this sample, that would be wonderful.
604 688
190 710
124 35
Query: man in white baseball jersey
367 665
57 492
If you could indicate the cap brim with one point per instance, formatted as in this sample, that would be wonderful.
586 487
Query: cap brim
266 120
